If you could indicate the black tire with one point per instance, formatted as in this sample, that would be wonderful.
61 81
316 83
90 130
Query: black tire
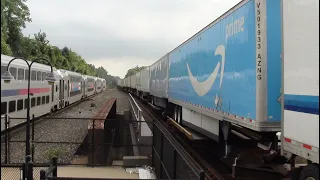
310 171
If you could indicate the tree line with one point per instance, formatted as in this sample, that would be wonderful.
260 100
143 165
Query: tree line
14 16
134 70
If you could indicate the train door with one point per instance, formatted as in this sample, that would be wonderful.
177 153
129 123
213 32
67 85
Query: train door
52 92
68 95
83 88
61 94
66 92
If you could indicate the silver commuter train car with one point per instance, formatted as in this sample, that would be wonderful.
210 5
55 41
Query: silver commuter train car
72 86
14 94
68 88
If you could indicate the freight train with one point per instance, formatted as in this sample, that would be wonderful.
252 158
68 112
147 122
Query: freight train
69 87
255 69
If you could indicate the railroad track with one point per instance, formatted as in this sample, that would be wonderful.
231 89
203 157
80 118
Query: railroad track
35 121
199 163
212 166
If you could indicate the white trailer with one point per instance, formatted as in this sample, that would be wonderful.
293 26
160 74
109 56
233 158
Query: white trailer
144 78
120 82
133 80
300 92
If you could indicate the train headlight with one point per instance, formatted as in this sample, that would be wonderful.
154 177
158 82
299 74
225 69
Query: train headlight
50 78
7 77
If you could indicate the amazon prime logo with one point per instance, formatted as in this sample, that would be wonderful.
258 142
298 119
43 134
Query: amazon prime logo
202 88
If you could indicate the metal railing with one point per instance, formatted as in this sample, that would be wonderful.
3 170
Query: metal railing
169 158
137 114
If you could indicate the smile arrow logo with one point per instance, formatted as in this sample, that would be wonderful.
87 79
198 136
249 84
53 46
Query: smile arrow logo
202 88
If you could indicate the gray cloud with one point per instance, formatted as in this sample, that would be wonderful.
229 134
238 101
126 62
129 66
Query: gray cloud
93 43
128 31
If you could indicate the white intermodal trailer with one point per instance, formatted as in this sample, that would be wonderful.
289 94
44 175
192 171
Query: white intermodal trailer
300 99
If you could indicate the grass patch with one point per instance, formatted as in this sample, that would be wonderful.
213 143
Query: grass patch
54 153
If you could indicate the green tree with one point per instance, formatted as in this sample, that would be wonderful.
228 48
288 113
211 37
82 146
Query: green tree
42 43
134 70
5 48
15 14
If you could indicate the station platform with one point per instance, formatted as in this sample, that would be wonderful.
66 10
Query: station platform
83 172
95 172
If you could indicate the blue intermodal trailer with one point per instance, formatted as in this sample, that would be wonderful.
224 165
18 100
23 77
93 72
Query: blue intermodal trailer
230 71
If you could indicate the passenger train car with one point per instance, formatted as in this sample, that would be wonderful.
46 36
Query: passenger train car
72 87
90 82
99 85
68 88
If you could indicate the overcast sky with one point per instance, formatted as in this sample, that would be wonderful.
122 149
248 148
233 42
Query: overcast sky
120 34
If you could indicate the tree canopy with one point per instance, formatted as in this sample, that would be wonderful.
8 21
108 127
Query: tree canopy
14 16
134 70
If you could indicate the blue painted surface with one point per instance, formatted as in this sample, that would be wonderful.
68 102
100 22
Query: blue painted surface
75 86
274 60
238 87
302 103
11 92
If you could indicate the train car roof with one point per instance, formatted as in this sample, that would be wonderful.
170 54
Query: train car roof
19 62
92 77
66 72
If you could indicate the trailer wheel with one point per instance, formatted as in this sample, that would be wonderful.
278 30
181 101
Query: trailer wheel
310 172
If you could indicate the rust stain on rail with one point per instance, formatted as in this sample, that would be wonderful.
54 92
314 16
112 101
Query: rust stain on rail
101 115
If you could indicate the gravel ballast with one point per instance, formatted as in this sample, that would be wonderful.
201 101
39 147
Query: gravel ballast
72 131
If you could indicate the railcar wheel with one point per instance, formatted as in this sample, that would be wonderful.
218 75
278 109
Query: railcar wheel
310 172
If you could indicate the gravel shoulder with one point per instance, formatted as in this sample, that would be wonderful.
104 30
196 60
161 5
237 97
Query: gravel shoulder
70 131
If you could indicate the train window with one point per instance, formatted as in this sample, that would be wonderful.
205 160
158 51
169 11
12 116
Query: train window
13 72
56 88
25 103
39 76
26 75
33 102
47 99
12 106
19 104
33 75
20 74
3 69
3 107
43 100
43 76
38 101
